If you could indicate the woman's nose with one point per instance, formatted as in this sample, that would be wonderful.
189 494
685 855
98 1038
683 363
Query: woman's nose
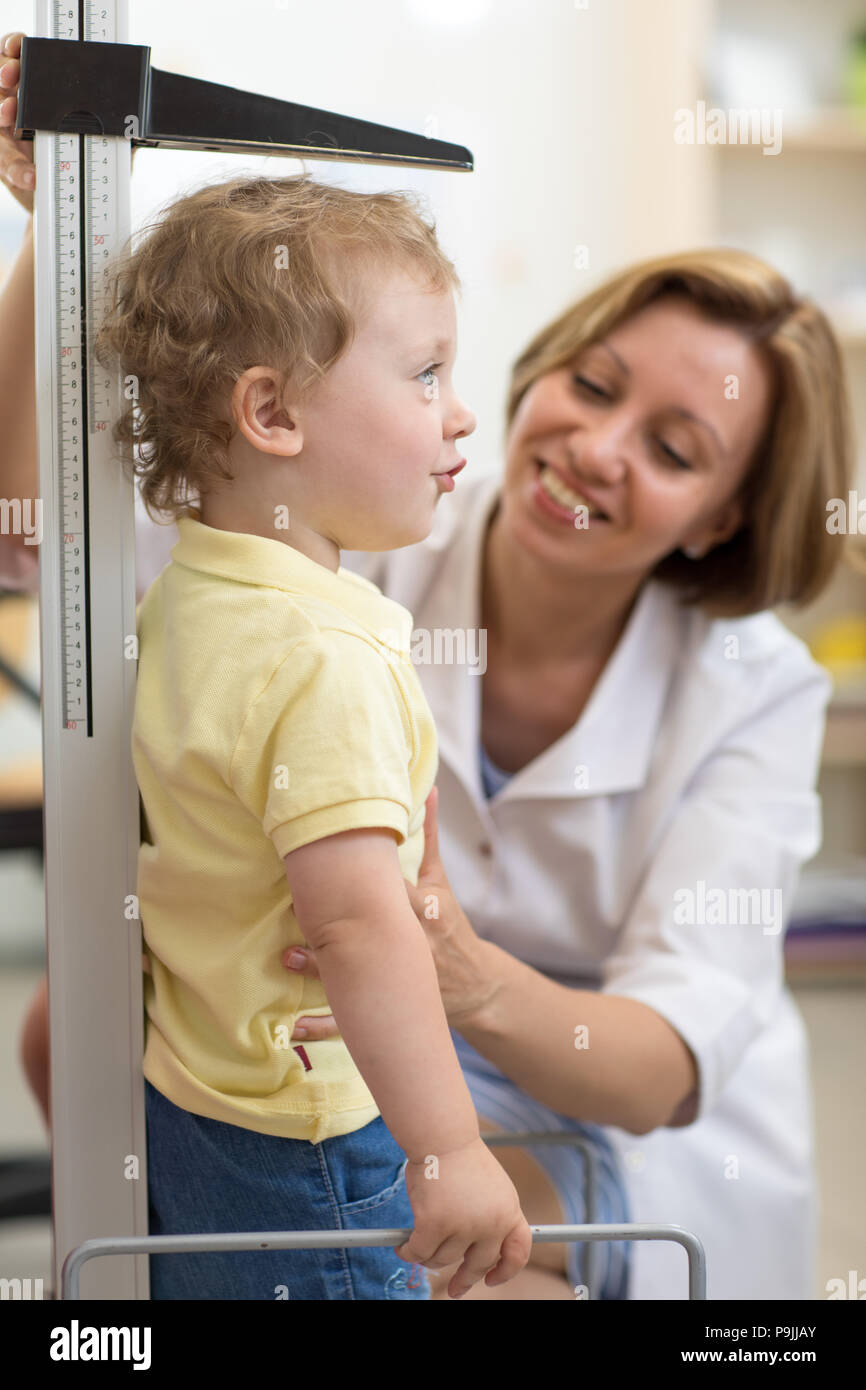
598 452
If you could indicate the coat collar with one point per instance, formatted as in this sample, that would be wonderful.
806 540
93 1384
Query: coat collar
614 737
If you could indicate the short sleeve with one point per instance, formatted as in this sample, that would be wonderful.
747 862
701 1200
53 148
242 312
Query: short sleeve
703 944
327 745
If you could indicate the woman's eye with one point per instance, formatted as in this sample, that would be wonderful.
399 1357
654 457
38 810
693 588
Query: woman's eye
591 386
596 390
671 454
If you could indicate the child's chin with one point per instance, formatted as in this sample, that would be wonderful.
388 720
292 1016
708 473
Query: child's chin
408 535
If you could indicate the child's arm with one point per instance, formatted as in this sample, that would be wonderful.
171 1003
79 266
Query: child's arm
378 973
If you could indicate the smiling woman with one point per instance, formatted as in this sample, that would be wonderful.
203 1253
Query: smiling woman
644 727
704 365
644 472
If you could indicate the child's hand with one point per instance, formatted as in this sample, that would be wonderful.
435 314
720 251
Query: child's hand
465 1207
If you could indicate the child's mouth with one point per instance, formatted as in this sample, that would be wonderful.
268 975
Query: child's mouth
452 472
447 479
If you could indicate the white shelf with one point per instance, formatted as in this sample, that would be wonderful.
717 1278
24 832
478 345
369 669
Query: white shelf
827 130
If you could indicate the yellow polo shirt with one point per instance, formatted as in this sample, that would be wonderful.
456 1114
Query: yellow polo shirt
276 703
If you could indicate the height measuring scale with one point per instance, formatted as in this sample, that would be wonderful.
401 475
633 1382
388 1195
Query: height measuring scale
86 96
87 618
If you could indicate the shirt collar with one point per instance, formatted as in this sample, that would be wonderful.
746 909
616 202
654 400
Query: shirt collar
251 559
614 737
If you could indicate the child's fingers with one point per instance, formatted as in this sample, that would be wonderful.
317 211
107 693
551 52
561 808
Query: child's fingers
513 1256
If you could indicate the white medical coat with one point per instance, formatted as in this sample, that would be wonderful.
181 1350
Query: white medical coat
693 762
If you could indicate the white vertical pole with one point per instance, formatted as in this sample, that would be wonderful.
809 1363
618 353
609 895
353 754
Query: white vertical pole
87 618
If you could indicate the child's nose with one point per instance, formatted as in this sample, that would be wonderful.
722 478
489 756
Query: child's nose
464 420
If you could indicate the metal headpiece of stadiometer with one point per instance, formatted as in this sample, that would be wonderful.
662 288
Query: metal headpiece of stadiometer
86 88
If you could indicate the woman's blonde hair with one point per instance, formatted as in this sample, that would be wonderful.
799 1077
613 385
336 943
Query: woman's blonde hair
783 552
247 272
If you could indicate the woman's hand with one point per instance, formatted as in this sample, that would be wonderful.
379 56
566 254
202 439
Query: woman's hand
16 156
465 982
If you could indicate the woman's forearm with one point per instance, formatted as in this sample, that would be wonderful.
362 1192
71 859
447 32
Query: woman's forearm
19 469
600 1058
393 1022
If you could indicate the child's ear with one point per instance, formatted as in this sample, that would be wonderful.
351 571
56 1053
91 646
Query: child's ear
269 424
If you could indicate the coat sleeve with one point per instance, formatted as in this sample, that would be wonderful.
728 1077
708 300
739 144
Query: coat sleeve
703 941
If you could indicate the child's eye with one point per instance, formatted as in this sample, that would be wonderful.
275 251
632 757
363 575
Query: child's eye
430 371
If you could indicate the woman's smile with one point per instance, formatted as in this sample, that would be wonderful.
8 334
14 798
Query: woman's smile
561 502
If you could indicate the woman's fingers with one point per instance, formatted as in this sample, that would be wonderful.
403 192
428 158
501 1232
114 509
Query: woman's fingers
10 72
315 1028
301 962
10 75
16 156
319 1025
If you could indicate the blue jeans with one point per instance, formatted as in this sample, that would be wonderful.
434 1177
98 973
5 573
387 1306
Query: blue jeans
208 1176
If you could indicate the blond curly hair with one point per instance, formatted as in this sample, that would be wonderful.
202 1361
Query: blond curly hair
237 274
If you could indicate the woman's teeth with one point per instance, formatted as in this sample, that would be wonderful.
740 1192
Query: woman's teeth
562 493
